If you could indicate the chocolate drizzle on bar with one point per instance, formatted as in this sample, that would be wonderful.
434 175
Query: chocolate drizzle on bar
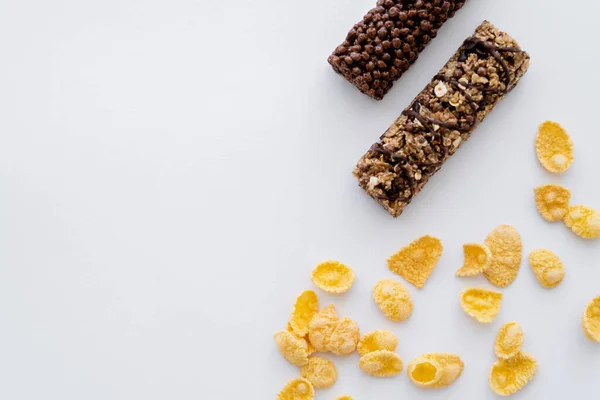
436 128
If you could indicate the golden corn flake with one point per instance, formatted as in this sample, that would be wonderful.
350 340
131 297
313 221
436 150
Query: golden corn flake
505 244
305 308
345 397
377 340
381 363
591 320
416 261
435 370
344 338
509 376
584 221
321 328
508 341
554 147
481 304
547 267
291 347
297 389
477 258
320 372
393 299
310 349
333 277
552 201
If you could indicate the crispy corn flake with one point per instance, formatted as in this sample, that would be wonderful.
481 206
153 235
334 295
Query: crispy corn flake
435 370
554 147
477 258
416 261
591 320
321 328
297 389
320 372
333 277
505 244
310 349
381 363
377 340
509 376
345 336
345 397
552 201
393 299
547 267
508 341
291 347
584 221
481 304
305 308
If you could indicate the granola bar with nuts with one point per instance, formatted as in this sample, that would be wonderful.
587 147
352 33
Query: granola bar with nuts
485 68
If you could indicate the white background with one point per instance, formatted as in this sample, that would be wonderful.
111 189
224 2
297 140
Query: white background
171 172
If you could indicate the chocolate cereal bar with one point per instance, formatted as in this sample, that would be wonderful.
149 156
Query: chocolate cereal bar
485 68
388 40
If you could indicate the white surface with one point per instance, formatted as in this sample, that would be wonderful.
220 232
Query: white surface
171 171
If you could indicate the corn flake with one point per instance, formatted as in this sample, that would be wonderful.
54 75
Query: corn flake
393 299
477 258
297 389
377 340
552 201
547 267
509 376
345 336
305 308
320 372
584 221
381 363
481 304
333 277
345 397
416 261
508 341
435 370
321 328
554 147
591 320
505 244
291 347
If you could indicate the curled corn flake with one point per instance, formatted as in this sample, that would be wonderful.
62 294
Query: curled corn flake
292 348
320 372
344 338
552 201
321 328
435 370
584 221
591 320
547 267
505 244
305 308
333 277
508 341
297 389
416 261
393 299
481 304
381 363
554 147
377 340
509 376
477 258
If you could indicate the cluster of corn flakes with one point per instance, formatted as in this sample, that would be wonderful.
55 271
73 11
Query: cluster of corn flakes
416 261
591 320
513 369
435 370
393 299
377 354
547 267
481 304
